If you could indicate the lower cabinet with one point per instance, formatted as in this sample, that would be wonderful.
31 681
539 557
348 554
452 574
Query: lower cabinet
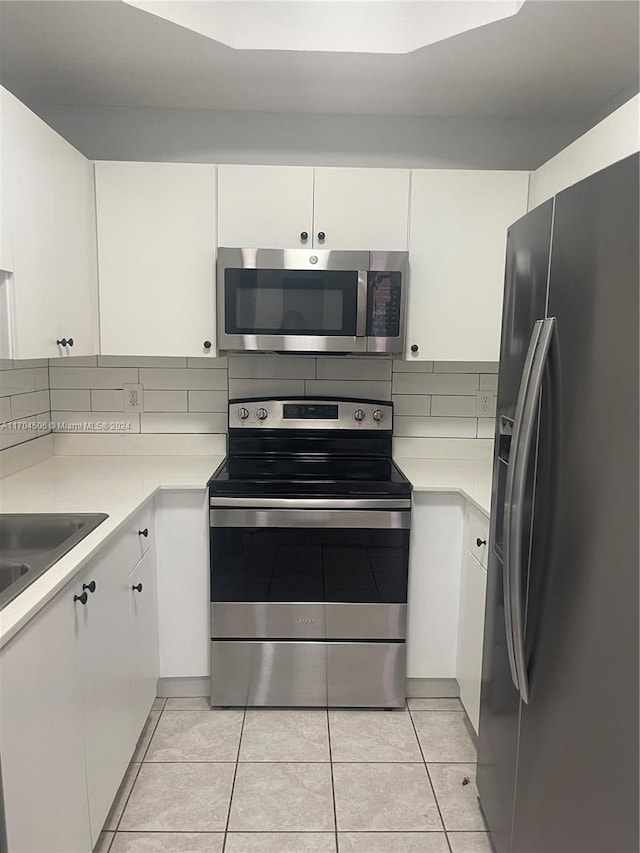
473 590
78 682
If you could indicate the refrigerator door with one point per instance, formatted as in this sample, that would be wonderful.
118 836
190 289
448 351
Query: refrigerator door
577 775
526 277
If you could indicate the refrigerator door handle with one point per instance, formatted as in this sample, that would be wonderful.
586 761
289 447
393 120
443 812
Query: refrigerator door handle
526 430
508 499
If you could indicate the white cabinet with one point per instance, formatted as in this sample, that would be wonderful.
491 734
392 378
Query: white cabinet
267 207
473 589
41 735
77 684
457 241
77 264
47 197
156 258
276 206
361 209
106 675
144 637
434 585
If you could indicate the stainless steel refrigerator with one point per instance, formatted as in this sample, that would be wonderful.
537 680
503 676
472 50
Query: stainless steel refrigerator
558 737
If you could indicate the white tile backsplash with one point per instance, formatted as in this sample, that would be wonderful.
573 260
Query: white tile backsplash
435 403
369 369
24 402
100 423
167 401
107 401
195 378
181 422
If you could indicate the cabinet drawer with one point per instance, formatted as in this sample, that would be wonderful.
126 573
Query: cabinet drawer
476 535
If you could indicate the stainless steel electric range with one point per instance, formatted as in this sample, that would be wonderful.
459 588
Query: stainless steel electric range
309 527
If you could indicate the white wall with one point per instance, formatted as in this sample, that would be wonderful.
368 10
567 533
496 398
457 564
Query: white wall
614 138
209 136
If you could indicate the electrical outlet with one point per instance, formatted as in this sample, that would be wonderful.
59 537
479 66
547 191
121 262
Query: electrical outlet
133 398
484 404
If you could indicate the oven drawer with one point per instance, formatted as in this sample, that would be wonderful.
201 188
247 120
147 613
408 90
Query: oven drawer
308 621
311 674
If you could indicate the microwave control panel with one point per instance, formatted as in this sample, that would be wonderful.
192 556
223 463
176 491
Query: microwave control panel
384 304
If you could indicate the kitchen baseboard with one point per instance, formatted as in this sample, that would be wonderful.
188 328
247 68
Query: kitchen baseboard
191 686
432 688
422 688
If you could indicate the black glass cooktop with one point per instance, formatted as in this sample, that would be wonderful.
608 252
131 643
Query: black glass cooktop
309 476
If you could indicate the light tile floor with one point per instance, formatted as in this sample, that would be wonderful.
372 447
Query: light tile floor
298 781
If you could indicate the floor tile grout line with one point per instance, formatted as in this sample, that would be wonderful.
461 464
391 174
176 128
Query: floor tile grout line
233 781
333 787
433 790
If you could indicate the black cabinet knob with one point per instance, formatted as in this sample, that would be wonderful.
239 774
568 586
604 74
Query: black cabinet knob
480 542
62 343
414 347
144 532
137 587
70 342
304 235
207 344
90 586
81 598
321 235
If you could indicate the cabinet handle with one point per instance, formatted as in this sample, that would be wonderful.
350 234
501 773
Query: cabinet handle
137 587
321 235
70 342
207 344
90 586
414 347
480 542
304 235
81 598
144 532
62 343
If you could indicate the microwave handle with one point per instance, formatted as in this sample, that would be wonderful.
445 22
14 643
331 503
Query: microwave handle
361 304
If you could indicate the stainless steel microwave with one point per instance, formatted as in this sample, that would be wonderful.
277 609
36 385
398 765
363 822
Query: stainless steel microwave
311 301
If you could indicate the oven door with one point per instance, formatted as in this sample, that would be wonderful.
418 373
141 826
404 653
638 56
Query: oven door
302 570
294 300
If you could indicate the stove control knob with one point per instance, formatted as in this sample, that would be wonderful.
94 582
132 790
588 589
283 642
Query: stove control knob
378 416
243 413
359 415
262 414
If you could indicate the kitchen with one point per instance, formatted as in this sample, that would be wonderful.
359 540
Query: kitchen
111 323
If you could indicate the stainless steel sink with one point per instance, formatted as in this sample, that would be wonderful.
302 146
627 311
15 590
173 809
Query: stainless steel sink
31 543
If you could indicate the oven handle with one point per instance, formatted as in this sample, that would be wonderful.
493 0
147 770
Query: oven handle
321 518
310 503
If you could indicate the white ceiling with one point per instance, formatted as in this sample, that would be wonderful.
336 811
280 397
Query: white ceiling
563 59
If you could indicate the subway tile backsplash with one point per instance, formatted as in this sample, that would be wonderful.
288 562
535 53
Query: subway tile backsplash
435 403
25 408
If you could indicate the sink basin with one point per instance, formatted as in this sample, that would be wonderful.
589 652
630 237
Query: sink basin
31 543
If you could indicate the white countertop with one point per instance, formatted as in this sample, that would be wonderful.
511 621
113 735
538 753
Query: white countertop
121 485
117 485
472 478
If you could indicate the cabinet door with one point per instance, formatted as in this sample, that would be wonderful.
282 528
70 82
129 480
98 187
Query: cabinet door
473 589
76 250
363 209
29 161
6 231
105 662
144 637
41 734
267 207
457 243
156 258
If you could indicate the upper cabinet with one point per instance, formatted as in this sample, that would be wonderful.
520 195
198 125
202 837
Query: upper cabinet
285 207
361 209
48 238
266 207
457 239
156 258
